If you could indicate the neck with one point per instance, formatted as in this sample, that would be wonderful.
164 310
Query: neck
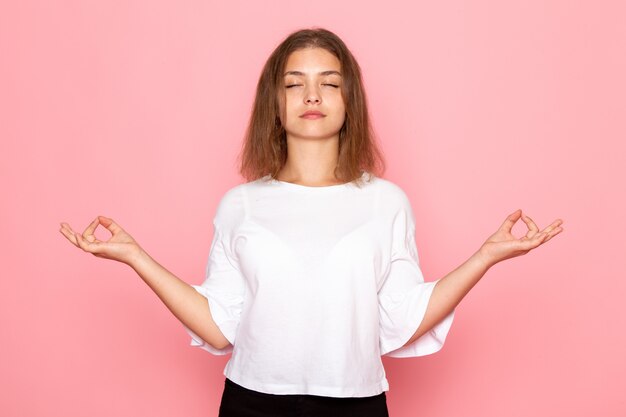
311 161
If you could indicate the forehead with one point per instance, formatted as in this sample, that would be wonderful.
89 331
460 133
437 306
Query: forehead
312 60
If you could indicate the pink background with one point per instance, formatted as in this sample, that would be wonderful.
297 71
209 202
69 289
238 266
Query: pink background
135 110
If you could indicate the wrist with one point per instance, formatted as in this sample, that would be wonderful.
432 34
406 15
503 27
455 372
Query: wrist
483 258
137 258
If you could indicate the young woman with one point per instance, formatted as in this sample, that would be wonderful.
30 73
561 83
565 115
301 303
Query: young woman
313 271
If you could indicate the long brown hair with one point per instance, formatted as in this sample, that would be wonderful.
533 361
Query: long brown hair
264 149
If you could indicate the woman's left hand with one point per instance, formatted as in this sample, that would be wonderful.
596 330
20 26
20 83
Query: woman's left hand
503 245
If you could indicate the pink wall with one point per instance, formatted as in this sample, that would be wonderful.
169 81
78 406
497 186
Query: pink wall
135 110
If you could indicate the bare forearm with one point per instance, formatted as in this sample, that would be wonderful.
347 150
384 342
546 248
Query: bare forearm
450 290
189 306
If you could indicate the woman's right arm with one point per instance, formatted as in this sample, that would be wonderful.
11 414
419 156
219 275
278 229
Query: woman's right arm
187 304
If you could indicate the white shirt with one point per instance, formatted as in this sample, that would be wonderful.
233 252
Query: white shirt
311 285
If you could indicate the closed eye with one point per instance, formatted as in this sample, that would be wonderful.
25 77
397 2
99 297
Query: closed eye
296 85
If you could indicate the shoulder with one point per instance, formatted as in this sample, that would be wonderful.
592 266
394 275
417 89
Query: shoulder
391 196
231 208
395 210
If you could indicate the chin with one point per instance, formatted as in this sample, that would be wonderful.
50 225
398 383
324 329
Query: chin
316 135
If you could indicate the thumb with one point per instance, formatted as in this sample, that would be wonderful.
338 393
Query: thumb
109 224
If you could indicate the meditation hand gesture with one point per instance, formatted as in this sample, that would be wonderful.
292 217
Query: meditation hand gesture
503 245
120 246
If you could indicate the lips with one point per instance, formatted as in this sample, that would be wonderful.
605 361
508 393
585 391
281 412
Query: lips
312 114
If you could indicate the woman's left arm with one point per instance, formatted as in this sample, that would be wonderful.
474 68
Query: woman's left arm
450 290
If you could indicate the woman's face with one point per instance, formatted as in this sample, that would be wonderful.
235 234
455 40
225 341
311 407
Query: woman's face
312 82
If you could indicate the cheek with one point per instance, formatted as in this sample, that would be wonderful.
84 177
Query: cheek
285 105
343 112
340 103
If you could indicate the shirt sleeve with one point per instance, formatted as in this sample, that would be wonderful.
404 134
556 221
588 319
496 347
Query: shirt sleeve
223 288
404 296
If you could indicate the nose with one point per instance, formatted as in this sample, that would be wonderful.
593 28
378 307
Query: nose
312 96
312 99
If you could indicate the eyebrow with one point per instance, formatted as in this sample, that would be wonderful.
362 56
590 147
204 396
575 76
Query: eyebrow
299 73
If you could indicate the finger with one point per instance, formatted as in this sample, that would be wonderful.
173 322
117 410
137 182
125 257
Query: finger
532 227
553 233
553 225
66 226
85 245
88 234
510 221
549 229
110 225
68 233
542 237
533 242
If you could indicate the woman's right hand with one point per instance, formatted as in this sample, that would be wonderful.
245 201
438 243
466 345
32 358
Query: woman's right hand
120 247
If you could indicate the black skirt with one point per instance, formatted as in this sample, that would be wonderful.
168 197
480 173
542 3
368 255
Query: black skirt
238 401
